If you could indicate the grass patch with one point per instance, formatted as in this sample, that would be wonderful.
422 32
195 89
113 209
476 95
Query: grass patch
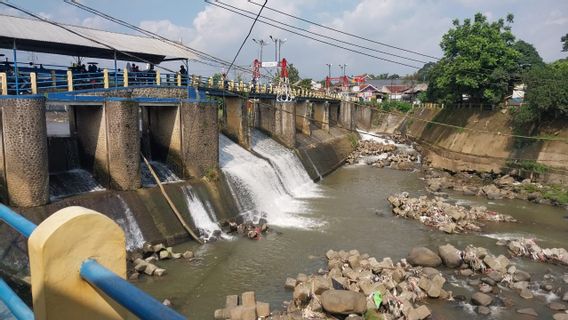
529 165
353 139
212 174
556 193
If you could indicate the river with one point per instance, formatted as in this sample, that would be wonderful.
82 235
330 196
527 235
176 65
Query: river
350 211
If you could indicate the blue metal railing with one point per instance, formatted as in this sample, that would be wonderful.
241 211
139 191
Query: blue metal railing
124 293
137 301
16 221
19 308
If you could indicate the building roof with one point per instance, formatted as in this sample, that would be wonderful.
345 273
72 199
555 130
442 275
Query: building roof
40 36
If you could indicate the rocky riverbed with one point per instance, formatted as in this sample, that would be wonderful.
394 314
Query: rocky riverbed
439 214
495 187
378 154
358 286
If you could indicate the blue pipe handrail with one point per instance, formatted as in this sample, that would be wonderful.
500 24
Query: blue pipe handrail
19 308
137 301
133 299
16 221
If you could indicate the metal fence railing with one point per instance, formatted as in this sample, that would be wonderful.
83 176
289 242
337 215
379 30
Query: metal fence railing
104 280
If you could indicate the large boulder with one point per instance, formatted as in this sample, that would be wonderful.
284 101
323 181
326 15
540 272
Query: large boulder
422 256
481 299
343 302
450 255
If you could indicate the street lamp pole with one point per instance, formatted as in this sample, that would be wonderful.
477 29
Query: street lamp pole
261 43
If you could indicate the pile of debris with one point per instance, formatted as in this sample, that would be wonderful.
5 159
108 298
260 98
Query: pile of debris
442 215
248 309
383 155
251 230
528 248
368 148
355 284
142 262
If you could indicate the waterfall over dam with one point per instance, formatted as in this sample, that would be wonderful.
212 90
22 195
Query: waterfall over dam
203 215
257 187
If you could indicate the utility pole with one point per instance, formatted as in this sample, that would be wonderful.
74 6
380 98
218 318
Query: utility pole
344 68
345 83
277 47
329 69
261 43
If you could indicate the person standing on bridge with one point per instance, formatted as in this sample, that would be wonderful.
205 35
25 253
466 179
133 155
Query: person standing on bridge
183 73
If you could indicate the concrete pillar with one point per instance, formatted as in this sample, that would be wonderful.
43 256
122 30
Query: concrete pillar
363 117
321 115
236 121
285 123
303 115
333 113
200 138
346 118
24 157
109 142
267 115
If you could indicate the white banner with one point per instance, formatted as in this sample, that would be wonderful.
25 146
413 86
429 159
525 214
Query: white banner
269 64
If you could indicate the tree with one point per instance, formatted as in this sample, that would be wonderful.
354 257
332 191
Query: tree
479 61
305 83
393 77
424 73
529 56
293 74
564 40
547 92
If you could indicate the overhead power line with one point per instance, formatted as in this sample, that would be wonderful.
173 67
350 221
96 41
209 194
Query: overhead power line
248 35
313 38
322 35
346 33
199 53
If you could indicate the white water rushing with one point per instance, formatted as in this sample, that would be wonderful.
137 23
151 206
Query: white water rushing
203 215
134 236
257 188
288 166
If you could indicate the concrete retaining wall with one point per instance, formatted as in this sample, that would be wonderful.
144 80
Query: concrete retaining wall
24 157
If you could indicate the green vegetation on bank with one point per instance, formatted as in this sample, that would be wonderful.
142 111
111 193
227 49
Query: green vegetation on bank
391 105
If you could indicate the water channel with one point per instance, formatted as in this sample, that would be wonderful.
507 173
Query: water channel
350 212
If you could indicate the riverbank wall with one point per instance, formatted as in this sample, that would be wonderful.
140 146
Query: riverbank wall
476 139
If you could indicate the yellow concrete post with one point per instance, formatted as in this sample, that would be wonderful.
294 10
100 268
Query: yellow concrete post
105 78
179 80
210 82
69 80
232 85
125 76
4 80
57 248
158 78
33 81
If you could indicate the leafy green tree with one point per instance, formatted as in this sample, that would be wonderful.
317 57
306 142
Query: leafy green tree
479 61
293 74
547 92
529 56
393 77
564 40
424 73
306 83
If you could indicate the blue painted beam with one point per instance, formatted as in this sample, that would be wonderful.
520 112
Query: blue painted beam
19 309
16 221
124 293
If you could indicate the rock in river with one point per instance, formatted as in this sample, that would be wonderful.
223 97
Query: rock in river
343 302
422 256
481 299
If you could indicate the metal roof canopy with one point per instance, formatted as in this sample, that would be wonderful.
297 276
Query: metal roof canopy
40 36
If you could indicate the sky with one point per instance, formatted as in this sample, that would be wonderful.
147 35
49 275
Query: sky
416 25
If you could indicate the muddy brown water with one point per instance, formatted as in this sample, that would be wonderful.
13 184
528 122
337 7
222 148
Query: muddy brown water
355 215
